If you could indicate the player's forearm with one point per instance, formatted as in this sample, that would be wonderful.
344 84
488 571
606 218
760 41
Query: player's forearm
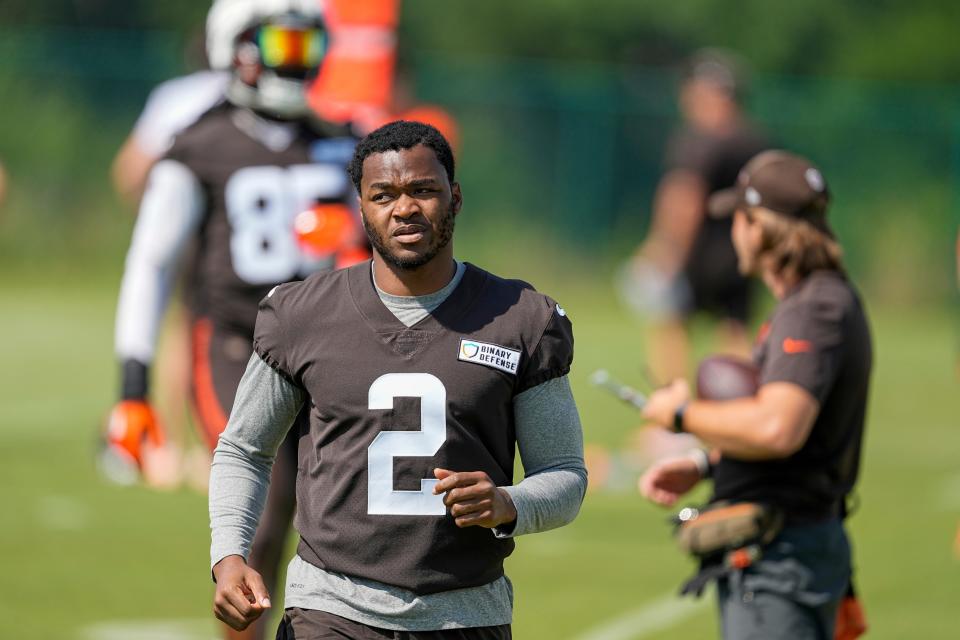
143 297
550 440
169 215
238 491
744 428
265 407
548 500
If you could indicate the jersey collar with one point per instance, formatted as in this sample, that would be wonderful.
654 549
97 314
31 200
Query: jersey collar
382 320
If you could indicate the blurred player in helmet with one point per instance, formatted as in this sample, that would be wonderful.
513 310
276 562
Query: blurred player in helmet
234 183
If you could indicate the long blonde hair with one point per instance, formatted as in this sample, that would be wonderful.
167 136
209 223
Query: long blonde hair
795 247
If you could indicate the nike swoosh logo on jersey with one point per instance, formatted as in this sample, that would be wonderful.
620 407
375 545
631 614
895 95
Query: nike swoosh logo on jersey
560 311
792 346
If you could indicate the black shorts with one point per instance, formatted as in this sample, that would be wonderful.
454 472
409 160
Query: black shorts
220 357
716 286
309 624
728 298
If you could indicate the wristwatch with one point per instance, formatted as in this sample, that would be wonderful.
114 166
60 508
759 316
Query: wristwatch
678 417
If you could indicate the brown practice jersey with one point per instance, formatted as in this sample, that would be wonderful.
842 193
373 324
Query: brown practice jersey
252 193
389 403
818 339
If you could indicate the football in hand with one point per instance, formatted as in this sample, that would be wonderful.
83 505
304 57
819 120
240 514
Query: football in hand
726 378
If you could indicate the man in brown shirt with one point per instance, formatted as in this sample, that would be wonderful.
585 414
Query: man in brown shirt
795 445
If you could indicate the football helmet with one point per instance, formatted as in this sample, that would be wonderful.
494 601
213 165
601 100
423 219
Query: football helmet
273 48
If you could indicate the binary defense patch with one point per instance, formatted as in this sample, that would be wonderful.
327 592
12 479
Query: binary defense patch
491 355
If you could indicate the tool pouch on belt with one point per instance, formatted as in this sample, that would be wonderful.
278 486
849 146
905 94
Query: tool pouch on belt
724 527
726 538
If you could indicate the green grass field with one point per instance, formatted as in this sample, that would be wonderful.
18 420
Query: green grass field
85 560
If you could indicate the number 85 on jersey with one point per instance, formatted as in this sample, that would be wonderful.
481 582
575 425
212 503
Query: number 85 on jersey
262 203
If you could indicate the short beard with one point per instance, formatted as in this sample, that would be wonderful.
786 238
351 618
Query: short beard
441 240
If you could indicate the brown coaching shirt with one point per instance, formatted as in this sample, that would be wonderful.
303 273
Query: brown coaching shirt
817 338
390 403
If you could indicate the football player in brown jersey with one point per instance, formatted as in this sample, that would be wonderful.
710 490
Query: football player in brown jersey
231 185
415 377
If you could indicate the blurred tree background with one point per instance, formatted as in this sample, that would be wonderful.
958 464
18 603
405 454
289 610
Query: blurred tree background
564 105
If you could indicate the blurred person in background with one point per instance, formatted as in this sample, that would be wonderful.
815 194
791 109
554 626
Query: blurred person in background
687 264
233 182
793 447
171 107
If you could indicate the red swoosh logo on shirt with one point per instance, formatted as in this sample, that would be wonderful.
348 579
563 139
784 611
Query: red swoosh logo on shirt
791 345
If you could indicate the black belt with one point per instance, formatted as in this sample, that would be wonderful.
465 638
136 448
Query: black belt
813 516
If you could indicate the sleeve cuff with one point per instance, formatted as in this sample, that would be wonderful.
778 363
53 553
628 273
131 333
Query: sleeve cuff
519 526
544 376
219 554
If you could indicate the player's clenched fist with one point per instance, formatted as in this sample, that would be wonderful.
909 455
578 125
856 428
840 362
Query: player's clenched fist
473 498
241 596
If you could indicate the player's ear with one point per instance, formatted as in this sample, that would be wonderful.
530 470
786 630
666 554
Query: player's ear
457 196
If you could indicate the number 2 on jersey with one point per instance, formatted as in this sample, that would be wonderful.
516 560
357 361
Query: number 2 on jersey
382 499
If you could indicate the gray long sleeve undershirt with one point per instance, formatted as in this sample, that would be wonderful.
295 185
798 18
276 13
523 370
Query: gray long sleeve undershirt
551 450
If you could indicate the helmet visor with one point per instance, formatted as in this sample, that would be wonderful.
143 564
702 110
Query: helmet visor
290 48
